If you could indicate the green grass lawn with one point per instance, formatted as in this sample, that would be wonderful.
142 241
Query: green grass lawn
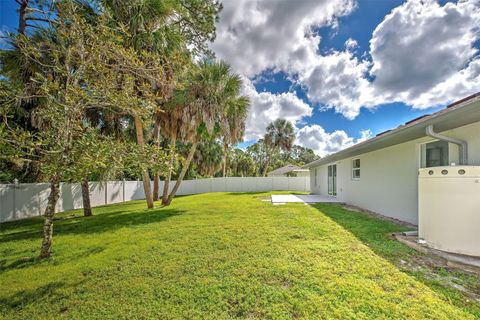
218 256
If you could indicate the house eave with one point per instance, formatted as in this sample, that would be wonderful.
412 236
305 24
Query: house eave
460 113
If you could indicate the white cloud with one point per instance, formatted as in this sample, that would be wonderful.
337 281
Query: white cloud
266 107
351 44
365 135
459 85
255 35
423 54
324 143
338 80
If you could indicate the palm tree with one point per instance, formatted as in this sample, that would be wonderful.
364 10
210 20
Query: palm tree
204 108
208 157
171 120
280 136
147 22
233 126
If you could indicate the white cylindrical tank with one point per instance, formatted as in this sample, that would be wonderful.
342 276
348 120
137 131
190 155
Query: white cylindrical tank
449 208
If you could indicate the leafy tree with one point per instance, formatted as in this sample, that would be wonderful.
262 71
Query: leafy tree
166 28
241 164
78 66
299 155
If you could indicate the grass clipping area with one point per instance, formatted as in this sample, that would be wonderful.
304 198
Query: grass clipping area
220 256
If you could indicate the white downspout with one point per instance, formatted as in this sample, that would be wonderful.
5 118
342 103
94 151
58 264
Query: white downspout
462 145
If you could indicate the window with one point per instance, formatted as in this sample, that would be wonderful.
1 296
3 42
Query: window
356 169
435 154
315 178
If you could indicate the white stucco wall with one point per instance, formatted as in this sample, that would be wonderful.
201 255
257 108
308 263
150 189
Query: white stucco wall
389 177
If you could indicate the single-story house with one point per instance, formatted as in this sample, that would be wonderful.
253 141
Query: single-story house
289 171
381 174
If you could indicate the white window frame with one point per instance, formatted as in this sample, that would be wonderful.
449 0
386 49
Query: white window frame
422 153
354 169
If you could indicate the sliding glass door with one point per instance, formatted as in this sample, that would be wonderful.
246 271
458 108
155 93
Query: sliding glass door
332 180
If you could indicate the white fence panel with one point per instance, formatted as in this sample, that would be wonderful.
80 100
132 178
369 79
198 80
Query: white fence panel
18 201
186 187
135 190
43 197
30 203
218 184
233 184
114 191
280 183
297 183
248 184
264 183
70 197
203 185
7 198
97 193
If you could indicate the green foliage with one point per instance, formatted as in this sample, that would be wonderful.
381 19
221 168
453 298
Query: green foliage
254 159
208 158
222 256
241 164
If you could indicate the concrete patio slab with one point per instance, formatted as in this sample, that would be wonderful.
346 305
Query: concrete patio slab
307 198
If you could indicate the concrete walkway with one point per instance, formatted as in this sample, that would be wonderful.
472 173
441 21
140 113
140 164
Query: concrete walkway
310 198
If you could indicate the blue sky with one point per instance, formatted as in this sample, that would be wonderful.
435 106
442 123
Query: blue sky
344 70
8 15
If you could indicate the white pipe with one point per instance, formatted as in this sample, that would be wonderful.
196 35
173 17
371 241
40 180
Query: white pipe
462 145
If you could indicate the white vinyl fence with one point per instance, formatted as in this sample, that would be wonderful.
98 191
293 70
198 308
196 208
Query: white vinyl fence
25 200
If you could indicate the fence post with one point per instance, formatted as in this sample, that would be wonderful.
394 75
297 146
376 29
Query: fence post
123 189
15 185
39 198
106 193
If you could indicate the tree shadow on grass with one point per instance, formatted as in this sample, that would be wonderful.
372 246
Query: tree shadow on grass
375 233
26 262
109 221
20 299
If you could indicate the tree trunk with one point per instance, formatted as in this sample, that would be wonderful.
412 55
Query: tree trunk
266 167
46 250
225 148
182 173
168 177
156 177
87 207
22 16
145 177
156 187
